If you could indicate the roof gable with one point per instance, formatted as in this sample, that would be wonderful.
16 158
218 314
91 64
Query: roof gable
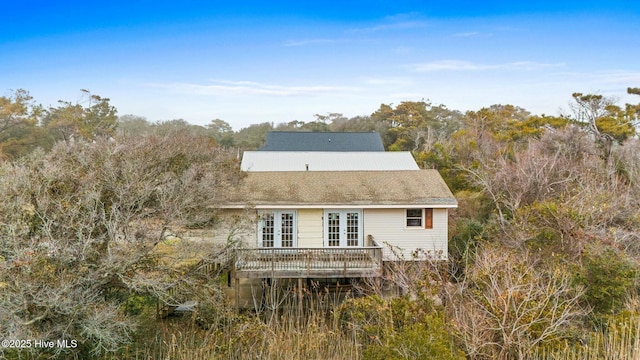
322 141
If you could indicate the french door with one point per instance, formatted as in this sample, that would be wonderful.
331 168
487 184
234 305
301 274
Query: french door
277 229
342 228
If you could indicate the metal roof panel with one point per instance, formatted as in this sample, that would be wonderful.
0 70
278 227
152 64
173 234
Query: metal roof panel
255 161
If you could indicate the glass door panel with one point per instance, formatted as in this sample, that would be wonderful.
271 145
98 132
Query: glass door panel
277 229
353 229
343 228
333 229
286 230
268 230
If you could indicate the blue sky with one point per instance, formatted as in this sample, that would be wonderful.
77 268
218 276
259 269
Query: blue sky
249 62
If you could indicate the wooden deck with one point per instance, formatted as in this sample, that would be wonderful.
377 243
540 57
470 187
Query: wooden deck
308 262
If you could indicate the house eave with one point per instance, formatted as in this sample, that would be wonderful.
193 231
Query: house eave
337 206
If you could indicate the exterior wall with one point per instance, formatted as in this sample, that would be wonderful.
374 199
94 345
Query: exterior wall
236 225
244 225
310 228
388 226
385 225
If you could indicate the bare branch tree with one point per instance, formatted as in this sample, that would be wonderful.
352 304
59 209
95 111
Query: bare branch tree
80 226
506 305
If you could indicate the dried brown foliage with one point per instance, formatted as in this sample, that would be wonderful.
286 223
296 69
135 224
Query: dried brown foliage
79 228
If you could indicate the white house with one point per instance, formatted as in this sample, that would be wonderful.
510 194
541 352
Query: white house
336 214
406 210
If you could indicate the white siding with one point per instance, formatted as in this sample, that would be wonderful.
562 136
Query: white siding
387 226
257 161
236 225
310 228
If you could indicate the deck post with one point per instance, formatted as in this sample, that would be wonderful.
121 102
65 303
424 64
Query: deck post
273 262
344 263
299 298
237 286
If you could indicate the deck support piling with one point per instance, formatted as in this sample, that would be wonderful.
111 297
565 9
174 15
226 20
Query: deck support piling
299 298
237 288
305 263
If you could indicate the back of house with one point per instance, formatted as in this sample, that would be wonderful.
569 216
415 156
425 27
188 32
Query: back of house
310 212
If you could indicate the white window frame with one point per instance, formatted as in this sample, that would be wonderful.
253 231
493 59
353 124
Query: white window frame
277 226
343 228
407 218
426 223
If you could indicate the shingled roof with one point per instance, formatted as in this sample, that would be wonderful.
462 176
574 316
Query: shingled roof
344 188
322 141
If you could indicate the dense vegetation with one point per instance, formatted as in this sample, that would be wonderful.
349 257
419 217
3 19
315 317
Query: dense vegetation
544 250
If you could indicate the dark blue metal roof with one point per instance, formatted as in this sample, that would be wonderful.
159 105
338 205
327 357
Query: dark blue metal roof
322 141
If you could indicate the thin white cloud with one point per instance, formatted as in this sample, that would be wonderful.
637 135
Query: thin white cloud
459 65
609 77
225 87
390 23
387 27
627 78
411 15
407 96
447 65
529 65
472 34
387 81
304 42
403 50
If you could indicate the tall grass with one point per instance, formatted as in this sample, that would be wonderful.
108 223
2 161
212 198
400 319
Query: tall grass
288 333
313 332
620 341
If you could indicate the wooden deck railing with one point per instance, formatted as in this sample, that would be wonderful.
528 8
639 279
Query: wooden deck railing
309 262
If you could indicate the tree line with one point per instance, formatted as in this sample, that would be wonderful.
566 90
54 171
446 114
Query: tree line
544 250
409 126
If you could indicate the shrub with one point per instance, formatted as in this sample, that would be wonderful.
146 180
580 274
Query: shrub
398 328
608 278
429 339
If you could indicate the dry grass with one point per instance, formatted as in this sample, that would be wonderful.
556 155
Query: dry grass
620 341
285 334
